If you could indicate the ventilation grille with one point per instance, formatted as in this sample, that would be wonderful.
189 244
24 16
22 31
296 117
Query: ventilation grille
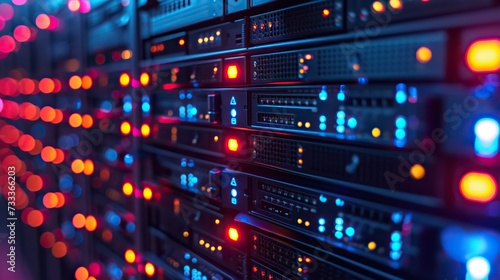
288 193
373 102
275 67
381 58
275 252
287 100
306 19
279 119
334 163
366 213
168 7
275 151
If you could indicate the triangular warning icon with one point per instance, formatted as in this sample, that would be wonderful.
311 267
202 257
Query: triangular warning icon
233 182
233 101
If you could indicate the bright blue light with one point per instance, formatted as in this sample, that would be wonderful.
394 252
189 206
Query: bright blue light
341 121
487 132
401 97
322 118
339 202
349 231
127 107
362 80
146 107
182 95
340 114
341 96
397 217
115 271
111 154
113 219
396 236
130 227
396 246
323 95
400 133
339 228
234 193
321 229
395 255
323 199
339 234
340 129
187 267
339 221
400 122
194 260
478 268
128 159
352 123
193 111
322 126
233 113
321 221
189 95
190 163
187 256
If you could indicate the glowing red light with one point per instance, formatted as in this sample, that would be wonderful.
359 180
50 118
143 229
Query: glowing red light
232 144
22 33
84 6
7 44
232 72
100 59
233 234
6 11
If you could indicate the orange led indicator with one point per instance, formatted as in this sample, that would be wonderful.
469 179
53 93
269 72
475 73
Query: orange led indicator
484 56
182 42
127 189
478 187
125 128
144 79
233 234
130 256
326 12
149 268
147 193
124 80
378 7
232 72
424 55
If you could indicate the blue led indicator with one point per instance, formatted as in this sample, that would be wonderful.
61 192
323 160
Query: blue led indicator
187 256
341 96
395 255
340 129
130 227
362 80
396 236
194 260
321 221
189 95
234 201
193 112
397 217
323 95
233 101
396 246
233 121
322 126
340 114
146 107
339 235
341 121
127 107
349 231
400 122
233 113
487 133
183 162
111 154
339 202
400 133
352 123
339 221
323 199
182 95
191 163
128 159
339 228
478 268
106 106
401 97
321 229
233 182
322 118
234 192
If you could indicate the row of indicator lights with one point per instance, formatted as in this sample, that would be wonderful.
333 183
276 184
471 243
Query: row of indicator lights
487 137
400 124
207 245
26 86
379 7
234 191
190 180
126 129
210 38
115 56
396 245
303 67
300 160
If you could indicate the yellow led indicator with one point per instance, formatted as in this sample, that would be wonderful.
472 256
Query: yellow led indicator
378 7
200 40
185 234
217 221
424 55
202 242
308 125
307 223
299 221
300 150
417 171
376 132
300 161
219 248
372 245
299 124
207 245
